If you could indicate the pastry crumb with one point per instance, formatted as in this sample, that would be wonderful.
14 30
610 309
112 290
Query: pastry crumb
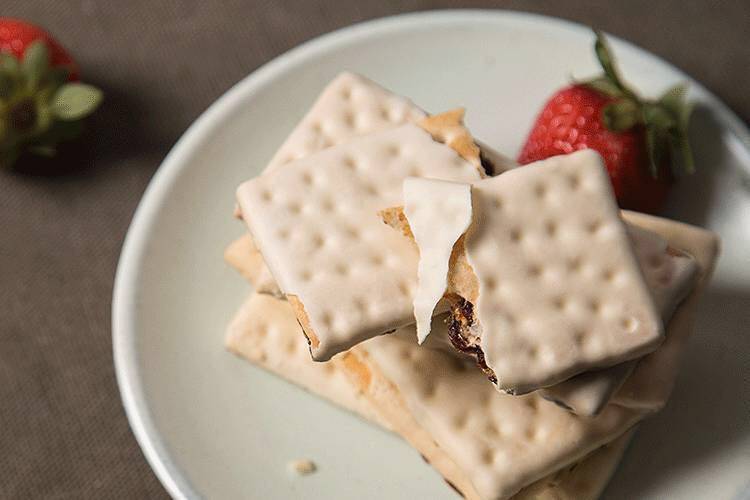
303 466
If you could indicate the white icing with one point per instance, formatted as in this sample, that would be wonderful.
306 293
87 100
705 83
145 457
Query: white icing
584 480
349 106
670 277
438 212
501 442
650 384
560 291
466 417
315 221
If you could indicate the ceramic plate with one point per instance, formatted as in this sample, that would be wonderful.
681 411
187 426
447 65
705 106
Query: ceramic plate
214 426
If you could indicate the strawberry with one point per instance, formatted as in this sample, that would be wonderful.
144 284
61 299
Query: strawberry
42 104
640 140
16 35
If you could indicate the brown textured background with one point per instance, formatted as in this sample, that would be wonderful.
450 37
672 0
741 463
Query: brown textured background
63 432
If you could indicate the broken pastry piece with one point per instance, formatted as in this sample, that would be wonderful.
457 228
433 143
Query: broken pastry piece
489 444
454 213
548 285
315 223
349 106
671 274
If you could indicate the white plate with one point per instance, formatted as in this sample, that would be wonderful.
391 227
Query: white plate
214 426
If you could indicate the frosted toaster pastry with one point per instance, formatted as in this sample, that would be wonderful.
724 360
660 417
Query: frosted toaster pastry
549 285
583 480
651 382
671 275
487 444
349 106
316 225
676 260
266 333
254 268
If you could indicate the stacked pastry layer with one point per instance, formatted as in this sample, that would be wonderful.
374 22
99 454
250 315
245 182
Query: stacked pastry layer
547 322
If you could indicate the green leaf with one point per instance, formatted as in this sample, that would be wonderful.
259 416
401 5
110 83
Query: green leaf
658 117
44 117
653 151
686 154
75 101
685 114
9 63
9 75
621 115
603 85
7 85
674 99
35 63
680 140
604 55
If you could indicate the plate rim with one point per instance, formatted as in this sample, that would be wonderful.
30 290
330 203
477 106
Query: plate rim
124 300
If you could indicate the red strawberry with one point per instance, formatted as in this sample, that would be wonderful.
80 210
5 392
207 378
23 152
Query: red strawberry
41 103
16 35
638 139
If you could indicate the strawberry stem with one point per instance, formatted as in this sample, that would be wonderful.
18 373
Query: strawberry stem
607 62
39 108
665 120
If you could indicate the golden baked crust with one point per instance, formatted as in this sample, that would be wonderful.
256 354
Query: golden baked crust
304 320
449 129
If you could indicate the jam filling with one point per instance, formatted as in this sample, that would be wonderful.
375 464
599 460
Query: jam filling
489 167
462 317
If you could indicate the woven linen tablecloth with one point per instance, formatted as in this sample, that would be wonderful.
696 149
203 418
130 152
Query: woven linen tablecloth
63 431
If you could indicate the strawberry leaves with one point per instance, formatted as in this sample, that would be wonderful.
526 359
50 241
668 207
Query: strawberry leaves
604 85
607 62
39 109
673 102
665 120
35 64
9 72
621 115
74 101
